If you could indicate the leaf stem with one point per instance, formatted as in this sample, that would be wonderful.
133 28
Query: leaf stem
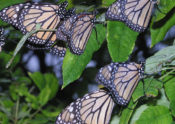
16 111
168 73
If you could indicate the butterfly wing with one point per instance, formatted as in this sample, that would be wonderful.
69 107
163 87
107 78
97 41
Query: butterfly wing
57 49
121 79
11 13
93 108
114 11
138 13
63 31
135 13
105 73
80 32
47 16
124 81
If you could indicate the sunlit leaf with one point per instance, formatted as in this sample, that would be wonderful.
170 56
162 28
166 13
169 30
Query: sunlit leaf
151 87
154 63
121 40
155 115
38 79
170 92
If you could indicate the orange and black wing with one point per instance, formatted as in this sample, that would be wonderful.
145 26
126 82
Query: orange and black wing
93 108
64 27
135 13
80 32
105 73
57 49
124 78
12 13
47 15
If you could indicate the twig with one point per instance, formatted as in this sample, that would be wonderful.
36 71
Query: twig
24 39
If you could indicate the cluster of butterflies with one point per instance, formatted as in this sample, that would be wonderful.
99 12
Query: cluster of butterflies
119 79
73 29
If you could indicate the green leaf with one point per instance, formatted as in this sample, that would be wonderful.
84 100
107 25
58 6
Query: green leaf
163 99
4 118
170 91
33 100
13 93
22 90
121 40
7 103
70 5
107 3
52 84
164 6
48 85
6 3
127 113
44 96
39 119
137 113
154 63
159 30
115 119
23 111
73 65
5 57
155 115
25 80
151 87
51 111
38 79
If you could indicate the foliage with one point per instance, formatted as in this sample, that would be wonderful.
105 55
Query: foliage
27 97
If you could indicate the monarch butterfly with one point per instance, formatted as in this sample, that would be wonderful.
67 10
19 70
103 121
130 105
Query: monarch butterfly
77 30
93 108
26 16
135 13
121 79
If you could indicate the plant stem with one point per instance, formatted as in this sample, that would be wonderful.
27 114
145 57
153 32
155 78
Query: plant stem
38 110
16 111
168 73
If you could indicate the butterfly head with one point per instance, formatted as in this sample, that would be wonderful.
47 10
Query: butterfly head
142 68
